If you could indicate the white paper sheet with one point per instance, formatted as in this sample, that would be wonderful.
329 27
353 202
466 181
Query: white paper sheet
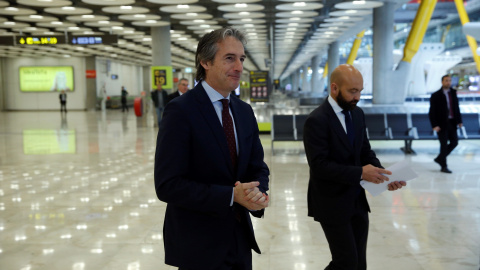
401 171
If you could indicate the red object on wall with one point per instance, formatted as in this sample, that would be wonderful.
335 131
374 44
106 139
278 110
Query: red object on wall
91 73
138 106
175 80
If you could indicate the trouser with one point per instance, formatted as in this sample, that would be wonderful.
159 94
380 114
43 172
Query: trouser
445 136
124 105
159 114
239 256
63 106
348 242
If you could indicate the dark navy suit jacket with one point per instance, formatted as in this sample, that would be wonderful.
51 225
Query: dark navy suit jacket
195 177
335 165
438 112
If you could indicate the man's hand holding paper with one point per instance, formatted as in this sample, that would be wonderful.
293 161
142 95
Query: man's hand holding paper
398 173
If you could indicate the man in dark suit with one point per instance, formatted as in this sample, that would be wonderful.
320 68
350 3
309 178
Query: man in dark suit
63 101
209 166
339 156
159 97
445 117
182 89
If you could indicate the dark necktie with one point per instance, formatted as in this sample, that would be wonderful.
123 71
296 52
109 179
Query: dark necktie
349 125
450 102
229 132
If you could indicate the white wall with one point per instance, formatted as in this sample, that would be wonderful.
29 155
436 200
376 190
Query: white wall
17 100
129 76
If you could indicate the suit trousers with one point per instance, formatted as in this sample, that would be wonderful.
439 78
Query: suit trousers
239 256
445 136
348 242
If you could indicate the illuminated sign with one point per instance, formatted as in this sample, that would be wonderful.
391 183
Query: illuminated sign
46 78
259 86
39 40
162 75
93 40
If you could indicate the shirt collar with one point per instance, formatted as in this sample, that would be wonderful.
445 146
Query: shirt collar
212 93
337 109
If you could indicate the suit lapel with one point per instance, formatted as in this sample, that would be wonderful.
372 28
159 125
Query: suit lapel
208 112
337 126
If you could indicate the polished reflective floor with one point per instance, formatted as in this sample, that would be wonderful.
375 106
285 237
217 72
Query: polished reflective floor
76 192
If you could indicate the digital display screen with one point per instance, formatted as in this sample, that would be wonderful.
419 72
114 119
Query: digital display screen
46 78
49 141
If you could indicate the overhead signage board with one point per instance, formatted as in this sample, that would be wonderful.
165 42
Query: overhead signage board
40 40
259 86
162 75
93 40
7 40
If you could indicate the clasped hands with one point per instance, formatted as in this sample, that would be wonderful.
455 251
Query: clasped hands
377 175
249 196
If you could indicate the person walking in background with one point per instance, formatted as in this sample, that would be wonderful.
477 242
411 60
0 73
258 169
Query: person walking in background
124 99
444 117
339 156
209 166
159 97
182 89
63 101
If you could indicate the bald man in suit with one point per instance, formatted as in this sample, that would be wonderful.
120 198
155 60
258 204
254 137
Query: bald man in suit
339 156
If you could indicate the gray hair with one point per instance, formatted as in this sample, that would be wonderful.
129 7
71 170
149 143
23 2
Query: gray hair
207 47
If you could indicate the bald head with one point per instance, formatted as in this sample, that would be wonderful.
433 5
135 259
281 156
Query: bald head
344 73
346 83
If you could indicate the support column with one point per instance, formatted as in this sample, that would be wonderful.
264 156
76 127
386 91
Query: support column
333 59
161 55
383 22
305 84
316 88
91 85
294 81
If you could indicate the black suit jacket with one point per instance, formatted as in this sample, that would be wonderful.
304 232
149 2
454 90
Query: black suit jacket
154 96
439 111
335 166
172 96
195 177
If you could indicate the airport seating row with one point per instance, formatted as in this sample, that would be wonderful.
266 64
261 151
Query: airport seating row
380 126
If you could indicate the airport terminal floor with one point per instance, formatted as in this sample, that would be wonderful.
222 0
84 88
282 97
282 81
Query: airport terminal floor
76 192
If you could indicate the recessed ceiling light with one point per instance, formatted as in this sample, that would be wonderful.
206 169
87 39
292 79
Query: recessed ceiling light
151 21
183 6
11 8
59 23
103 22
199 21
139 15
88 16
297 12
36 16
126 7
246 13
192 14
68 8
299 4
241 5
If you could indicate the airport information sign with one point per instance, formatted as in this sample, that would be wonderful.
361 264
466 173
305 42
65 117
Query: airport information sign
40 40
259 86
93 40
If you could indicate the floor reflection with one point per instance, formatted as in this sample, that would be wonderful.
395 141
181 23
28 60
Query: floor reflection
80 195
